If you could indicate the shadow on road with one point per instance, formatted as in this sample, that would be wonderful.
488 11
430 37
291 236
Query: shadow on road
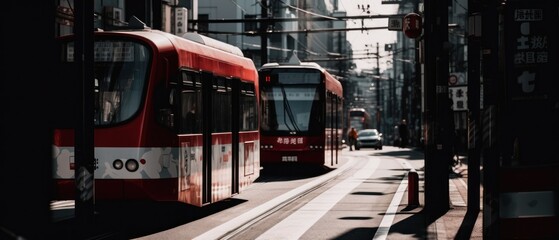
285 172
126 220
406 153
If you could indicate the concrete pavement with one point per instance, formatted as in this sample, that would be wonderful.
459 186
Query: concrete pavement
456 223
411 222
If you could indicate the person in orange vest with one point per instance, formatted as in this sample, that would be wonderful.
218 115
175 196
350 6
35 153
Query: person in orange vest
352 135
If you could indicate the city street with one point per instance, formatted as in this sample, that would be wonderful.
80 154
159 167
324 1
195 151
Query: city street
364 196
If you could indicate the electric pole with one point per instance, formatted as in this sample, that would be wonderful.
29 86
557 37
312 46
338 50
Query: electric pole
84 135
377 86
264 29
474 117
437 115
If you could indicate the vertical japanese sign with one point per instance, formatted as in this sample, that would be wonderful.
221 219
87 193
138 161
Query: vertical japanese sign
180 21
531 71
528 51
458 91
459 96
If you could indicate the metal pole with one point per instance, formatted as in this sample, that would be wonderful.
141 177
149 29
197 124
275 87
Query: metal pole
264 37
437 109
84 169
474 124
377 84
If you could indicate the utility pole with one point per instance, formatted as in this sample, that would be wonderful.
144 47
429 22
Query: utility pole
264 29
490 149
474 117
405 99
437 115
418 86
84 169
340 62
377 85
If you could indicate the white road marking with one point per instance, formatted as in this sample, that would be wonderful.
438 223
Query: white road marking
294 226
388 218
233 224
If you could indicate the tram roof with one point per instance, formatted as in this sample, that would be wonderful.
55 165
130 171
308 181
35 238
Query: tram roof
332 83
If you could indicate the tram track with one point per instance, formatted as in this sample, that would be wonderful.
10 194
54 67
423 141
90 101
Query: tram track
237 226
243 227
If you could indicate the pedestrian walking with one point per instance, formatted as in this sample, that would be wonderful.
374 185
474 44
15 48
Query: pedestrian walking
352 137
404 133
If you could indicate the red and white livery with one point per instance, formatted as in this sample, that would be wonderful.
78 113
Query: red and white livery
175 119
301 114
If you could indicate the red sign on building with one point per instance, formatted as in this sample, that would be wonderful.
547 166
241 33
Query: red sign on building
412 26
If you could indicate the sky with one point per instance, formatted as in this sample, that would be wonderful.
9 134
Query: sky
367 40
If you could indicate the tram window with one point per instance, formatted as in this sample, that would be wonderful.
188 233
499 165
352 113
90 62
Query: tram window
329 112
191 97
221 105
248 109
119 91
164 105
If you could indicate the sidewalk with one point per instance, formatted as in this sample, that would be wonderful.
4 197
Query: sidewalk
455 224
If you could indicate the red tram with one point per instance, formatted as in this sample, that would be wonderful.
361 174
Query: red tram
301 114
176 119
359 118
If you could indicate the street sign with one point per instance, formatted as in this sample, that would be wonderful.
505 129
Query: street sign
412 26
452 79
395 23
459 96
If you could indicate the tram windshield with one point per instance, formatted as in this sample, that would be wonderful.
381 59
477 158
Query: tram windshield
120 73
291 108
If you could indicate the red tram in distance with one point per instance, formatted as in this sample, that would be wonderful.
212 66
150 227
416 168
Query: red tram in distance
359 118
176 118
301 114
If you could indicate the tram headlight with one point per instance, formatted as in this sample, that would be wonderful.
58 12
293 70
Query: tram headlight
131 165
117 164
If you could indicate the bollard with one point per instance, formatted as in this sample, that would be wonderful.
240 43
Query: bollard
413 188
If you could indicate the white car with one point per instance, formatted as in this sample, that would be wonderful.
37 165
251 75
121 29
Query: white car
369 138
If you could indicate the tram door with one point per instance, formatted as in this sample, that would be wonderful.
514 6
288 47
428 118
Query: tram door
207 85
235 125
217 95
190 137
521 197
